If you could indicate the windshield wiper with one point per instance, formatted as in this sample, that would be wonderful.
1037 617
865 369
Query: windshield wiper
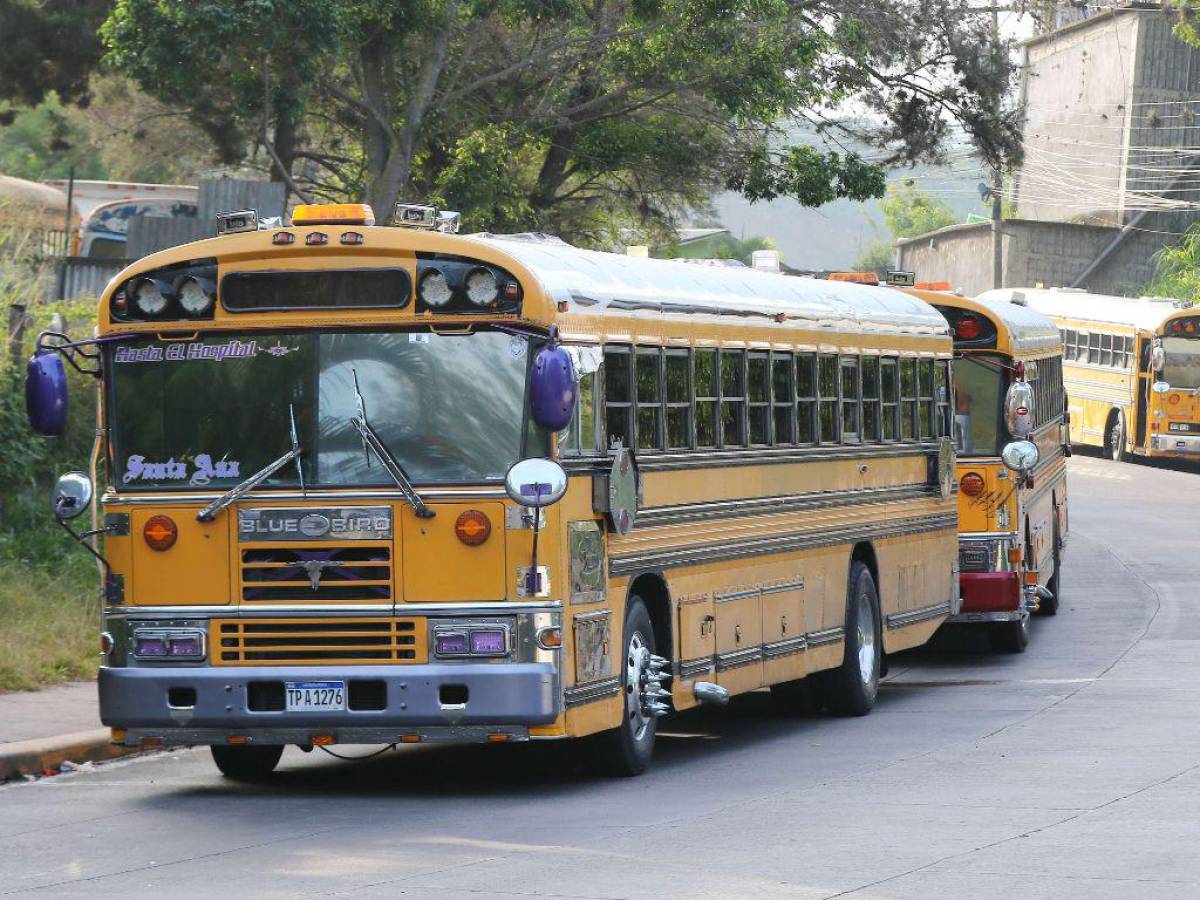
209 512
372 442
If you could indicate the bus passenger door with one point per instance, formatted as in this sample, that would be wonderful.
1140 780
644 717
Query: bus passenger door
1141 394
739 638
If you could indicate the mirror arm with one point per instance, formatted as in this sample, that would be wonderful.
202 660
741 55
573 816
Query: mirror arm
69 350
82 539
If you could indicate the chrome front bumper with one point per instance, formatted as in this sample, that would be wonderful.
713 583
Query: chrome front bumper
1188 444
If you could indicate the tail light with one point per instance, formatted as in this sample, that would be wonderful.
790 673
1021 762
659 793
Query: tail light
971 484
967 328
160 533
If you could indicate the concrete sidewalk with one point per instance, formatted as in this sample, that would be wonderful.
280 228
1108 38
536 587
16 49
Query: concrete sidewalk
40 730
29 715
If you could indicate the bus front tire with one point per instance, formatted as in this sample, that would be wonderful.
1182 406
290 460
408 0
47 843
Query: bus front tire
1049 606
851 688
1010 637
247 763
626 750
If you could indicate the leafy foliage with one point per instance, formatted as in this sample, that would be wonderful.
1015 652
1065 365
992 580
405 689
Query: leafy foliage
49 46
1177 269
909 211
722 246
878 257
585 117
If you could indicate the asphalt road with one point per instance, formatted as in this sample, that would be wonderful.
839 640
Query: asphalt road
1070 771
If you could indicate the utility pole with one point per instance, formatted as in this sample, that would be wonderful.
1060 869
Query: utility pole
997 179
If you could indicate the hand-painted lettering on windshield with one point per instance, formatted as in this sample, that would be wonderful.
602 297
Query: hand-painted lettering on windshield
232 349
201 471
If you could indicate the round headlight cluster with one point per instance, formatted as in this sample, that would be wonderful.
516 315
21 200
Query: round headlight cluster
482 288
196 295
151 295
435 289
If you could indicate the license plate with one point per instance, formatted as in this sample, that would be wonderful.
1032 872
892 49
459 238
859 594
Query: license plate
315 696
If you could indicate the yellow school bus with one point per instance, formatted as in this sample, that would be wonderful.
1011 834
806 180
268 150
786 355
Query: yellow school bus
394 485
1008 383
1131 369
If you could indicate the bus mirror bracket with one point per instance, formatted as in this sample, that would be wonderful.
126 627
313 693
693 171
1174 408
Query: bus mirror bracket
535 483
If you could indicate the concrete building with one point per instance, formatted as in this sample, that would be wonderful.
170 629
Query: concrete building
1112 161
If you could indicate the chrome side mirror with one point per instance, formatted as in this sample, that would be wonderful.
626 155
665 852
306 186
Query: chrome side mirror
1160 387
536 483
1018 410
1158 357
1020 456
72 495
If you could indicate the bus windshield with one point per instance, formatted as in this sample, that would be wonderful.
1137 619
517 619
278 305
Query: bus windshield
979 384
211 411
1181 368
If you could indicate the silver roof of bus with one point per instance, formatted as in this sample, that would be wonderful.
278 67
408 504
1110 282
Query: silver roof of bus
594 281
1145 313
1028 329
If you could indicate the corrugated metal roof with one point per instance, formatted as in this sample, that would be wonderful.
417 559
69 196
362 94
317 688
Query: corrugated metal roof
656 287
1145 313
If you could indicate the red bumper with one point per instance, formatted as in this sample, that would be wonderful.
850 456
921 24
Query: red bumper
990 591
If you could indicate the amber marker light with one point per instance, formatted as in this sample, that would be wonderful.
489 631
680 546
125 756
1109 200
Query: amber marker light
498 738
323 740
472 528
971 484
333 214
160 533
1016 554
410 739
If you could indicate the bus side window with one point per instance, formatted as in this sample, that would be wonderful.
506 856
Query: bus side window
783 398
1071 344
758 397
889 385
1106 349
926 408
707 397
942 398
851 399
679 399
908 398
827 388
733 398
871 416
806 398
618 395
649 398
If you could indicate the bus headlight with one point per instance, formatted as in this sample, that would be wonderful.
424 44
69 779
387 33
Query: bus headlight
482 288
196 295
151 295
168 643
435 289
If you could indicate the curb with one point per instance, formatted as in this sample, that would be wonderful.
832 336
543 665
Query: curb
36 756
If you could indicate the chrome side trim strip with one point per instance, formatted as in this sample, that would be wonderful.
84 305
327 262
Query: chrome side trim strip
759 506
717 552
592 616
737 658
786 647
595 690
914 616
828 636
758 456
736 595
690 668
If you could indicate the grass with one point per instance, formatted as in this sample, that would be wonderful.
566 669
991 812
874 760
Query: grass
49 609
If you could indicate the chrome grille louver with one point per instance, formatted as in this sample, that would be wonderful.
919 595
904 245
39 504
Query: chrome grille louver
323 574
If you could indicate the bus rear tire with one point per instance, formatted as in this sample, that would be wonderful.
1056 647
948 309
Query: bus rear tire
627 749
1114 437
851 688
1009 637
247 763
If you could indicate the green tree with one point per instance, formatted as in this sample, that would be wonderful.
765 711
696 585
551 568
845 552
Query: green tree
1177 269
587 117
721 246
878 257
909 211
50 46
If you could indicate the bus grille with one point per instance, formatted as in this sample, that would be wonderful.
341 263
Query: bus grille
317 575
314 642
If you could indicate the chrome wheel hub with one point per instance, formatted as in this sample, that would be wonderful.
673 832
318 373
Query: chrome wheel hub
645 697
866 639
